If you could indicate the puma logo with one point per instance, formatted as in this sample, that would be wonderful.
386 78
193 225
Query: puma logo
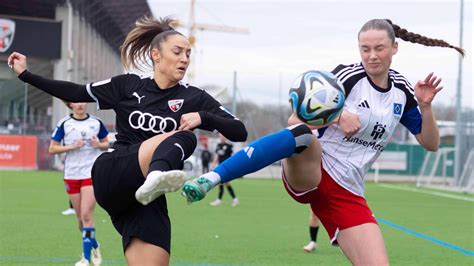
138 96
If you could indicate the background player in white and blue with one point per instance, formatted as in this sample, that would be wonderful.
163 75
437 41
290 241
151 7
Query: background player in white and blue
83 138
154 119
377 99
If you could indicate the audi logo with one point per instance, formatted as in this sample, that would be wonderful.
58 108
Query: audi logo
149 122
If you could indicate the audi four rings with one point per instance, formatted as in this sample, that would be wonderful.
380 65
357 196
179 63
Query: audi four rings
156 123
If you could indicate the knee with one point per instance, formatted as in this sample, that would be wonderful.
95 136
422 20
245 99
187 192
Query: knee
86 218
187 140
187 136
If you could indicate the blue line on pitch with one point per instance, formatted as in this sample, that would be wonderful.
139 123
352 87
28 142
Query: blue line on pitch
439 242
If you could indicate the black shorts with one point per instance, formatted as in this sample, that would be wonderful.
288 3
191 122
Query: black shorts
116 176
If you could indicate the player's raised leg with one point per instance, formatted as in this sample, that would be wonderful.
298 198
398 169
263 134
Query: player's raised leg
159 157
260 153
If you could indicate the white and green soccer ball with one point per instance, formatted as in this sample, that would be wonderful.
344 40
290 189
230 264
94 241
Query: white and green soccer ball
317 97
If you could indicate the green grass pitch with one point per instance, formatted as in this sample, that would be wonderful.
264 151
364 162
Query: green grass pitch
267 228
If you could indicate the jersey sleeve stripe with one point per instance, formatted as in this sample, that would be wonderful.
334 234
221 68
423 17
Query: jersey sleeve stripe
349 75
401 83
89 90
343 72
401 79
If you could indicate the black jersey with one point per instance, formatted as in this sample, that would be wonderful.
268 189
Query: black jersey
206 156
223 151
144 110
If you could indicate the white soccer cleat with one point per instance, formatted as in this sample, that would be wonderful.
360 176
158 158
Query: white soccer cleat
216 203
96 256
158 183
310 247
235 202
69 211
82 262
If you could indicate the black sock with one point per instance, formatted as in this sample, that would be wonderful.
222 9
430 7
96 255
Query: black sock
313 232
221 191
172 152
303 136
231 192
70 204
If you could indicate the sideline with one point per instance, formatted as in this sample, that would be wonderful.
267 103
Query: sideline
435 193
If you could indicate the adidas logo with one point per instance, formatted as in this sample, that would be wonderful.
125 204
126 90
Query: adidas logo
364 104
249 151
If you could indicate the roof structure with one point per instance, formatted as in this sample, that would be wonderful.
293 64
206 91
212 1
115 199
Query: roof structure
111 18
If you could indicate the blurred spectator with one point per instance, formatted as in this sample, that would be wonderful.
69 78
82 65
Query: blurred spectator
223 152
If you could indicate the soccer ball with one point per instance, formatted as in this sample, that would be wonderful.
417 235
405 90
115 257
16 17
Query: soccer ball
317 97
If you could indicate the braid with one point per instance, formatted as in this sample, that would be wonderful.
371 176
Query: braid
417 38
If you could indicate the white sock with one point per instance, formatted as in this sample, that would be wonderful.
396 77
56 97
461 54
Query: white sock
214 177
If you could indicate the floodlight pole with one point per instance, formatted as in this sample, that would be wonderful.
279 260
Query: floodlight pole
234 95
459 126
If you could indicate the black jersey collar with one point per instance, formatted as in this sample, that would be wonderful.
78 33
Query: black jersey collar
379 89
164 90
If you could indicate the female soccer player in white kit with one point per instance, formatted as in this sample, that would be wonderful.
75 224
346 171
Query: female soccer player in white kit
83 138
328 173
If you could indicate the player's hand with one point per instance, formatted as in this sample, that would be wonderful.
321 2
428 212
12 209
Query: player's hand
190 121
17 62
425 90
95 142
349 122
77 144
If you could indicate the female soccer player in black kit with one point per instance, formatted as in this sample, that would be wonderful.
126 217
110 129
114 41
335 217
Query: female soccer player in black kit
154 117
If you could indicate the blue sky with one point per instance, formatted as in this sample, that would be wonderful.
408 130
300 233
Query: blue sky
289 37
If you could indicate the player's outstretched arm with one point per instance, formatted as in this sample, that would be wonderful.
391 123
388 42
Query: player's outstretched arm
425 91
232 129
64 90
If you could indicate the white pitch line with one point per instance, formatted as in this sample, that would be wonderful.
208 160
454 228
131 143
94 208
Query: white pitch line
441 194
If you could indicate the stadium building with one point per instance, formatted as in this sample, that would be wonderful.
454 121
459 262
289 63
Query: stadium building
75 40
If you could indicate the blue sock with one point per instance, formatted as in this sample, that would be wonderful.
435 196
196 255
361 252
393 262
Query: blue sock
95 244
264 151
88 240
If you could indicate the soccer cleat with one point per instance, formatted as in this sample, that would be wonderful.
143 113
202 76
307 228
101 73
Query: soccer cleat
310 247
216 203
96 257
196 189
82 262
69 211
235 202
158 183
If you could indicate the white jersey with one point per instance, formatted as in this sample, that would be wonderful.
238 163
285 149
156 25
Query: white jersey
348 159
78 163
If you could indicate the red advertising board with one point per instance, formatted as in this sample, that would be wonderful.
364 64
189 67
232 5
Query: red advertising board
18 152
